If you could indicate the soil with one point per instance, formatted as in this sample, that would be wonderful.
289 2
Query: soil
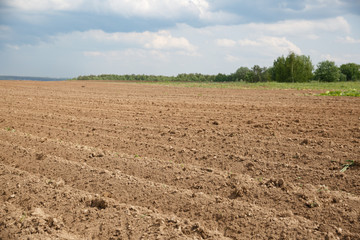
110 160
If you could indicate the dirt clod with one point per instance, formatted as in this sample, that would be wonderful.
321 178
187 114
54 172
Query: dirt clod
39 156
216 123
98 203
238 192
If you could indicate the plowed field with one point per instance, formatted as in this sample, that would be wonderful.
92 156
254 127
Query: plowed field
107 160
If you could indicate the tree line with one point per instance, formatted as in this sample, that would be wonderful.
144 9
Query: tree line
188 77
292 68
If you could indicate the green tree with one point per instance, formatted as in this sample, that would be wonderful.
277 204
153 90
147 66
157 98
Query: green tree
342 77
351 71
293 68
327 71
250 76
303 69
290 62
221 78
280 73
258 71
240 74
255 74
267 74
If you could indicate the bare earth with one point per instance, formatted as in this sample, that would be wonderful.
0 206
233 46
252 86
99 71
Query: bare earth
97 160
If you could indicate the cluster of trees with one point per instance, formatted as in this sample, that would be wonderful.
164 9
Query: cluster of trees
298 68
131 77
327 71
184 77
293 68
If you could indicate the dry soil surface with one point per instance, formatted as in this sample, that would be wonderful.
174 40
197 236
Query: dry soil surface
107 160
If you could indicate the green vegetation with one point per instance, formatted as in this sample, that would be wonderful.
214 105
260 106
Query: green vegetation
351 71
347 165
327 71
191 77
10 129
313 85
291 69
22 217
350 93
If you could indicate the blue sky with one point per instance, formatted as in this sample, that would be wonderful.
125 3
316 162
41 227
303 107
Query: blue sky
68 38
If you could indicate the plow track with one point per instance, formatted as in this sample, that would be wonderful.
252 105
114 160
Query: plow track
98 160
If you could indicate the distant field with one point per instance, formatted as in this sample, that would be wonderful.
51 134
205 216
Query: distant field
325 88
314 85
268 85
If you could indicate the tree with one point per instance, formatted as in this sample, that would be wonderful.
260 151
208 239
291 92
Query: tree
255 74
351 71
221 78
257 70
280 72
293 68
250 76
303 69
327 71
267 74
240 74
290 62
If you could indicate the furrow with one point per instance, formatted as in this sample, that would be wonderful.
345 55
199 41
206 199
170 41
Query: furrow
210 210
40 206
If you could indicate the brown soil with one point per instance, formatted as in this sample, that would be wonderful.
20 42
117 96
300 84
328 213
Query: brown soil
97 160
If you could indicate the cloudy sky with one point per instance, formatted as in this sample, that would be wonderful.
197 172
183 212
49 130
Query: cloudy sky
68 38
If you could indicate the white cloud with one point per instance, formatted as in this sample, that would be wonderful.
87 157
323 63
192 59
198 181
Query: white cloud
321 4
137 44
130 53
247 42
312 36
218 17
165 9
158 9
231 58
144 8
280 44
42 5
224 42
155 8
306 27
161 40
164 40
93 53
349 39
333 58
276 44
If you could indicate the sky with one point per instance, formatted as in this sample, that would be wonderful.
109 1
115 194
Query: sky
68 38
